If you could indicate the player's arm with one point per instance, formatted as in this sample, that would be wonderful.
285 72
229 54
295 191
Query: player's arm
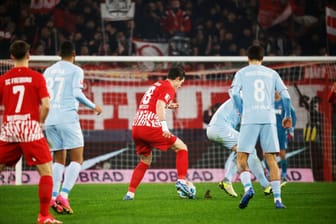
44 109
77 86
79 95
287 121
293 114
235 93
161 112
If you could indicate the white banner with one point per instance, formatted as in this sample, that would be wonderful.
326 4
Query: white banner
144 48
117 10
43 5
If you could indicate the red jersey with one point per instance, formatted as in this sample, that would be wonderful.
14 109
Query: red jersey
21 91
146 113
176 22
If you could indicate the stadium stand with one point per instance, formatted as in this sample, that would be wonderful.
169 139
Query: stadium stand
221 27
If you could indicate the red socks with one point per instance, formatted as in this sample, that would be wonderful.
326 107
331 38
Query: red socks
44 193
182 164
137 176
140 170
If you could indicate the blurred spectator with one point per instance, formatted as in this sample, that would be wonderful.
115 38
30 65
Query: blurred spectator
176 21
199 28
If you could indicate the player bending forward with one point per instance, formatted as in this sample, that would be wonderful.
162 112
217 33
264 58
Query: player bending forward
150 131
223 129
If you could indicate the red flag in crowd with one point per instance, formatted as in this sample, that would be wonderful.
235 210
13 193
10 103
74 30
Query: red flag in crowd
65 20
41 6
273 12
331 23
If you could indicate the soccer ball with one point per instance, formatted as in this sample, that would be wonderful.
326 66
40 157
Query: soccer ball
192 189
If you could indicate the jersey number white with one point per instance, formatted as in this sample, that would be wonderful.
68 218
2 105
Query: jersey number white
55 94
19 89
259 90
146 98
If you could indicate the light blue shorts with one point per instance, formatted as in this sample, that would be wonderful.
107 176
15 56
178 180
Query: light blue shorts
250 133
64 136
225 135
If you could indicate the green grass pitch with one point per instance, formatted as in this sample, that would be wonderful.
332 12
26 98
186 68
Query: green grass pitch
159 204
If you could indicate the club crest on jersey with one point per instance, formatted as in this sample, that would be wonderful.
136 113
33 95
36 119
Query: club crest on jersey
167 97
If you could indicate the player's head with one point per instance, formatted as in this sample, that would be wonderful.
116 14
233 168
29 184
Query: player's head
176 72
67 49
19 50
177 76
255 52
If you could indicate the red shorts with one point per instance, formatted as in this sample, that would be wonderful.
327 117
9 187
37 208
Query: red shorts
35 152
147 138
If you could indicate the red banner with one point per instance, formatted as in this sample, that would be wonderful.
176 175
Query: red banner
273 12
331 23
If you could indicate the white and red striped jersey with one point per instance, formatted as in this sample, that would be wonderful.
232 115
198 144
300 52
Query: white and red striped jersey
21 91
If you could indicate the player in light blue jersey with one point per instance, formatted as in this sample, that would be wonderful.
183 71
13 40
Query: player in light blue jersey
223 128
253 90
62 127
283 134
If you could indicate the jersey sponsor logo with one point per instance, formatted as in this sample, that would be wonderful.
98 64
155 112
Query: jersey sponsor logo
146 118
21 131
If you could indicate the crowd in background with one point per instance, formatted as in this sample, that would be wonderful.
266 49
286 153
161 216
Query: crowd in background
221 27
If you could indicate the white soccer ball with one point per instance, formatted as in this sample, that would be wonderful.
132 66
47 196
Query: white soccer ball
192 189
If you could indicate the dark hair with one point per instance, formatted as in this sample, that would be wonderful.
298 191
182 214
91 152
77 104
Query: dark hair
176 72
255 52
67 49
18 49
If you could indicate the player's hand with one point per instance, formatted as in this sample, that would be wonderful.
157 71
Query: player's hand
98 110
287 122
172 105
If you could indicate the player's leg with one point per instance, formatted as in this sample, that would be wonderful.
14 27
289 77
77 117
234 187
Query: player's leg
182 164
44 192
230 167
9 154
283 165
255 166
72 170
37 153
270 145
230 172
228 137
58 168
138 174
247 139
59 156
275 179
72 142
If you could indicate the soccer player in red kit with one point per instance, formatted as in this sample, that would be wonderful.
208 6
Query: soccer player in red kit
24 95
150 131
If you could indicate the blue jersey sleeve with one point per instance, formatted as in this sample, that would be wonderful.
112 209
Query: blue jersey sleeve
293 114
77 90
286 102
235 91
